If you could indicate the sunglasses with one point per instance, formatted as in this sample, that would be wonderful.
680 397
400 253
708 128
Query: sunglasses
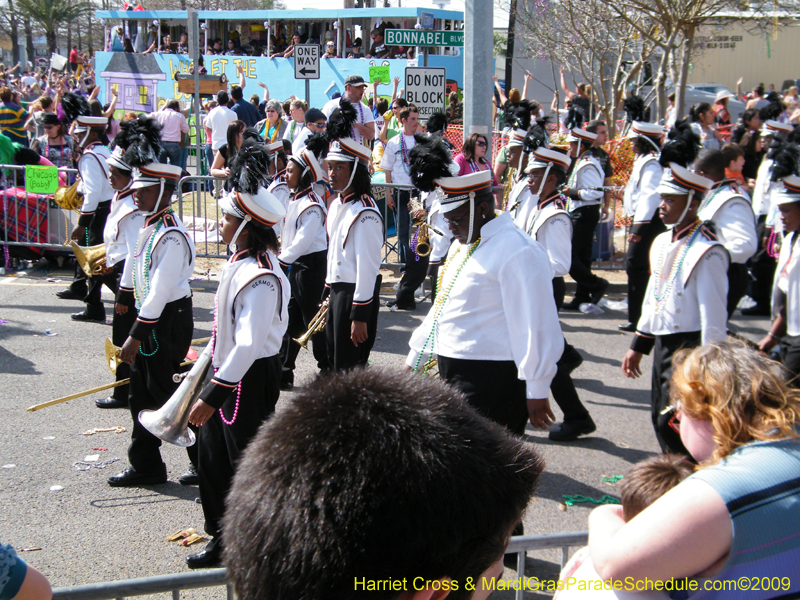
49 127
481 144
675 419
320 125
457 222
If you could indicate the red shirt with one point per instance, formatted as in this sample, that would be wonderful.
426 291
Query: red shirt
73 56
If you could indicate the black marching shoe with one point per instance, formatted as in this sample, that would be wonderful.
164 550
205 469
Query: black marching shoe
570 430
111 402
575 304
629 327
132 478
287 380
190 477
210 556
90 315
68 294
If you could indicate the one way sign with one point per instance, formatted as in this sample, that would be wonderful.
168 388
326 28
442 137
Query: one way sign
306 61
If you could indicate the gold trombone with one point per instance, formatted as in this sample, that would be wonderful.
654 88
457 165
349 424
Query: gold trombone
112 352
316 325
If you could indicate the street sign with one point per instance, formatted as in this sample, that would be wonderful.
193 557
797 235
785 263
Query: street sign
426 88
417 37
306 61
427 20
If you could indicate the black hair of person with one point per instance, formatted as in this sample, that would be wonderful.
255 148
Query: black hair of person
713 164
642 146
362 183
370 474
260 239
682 147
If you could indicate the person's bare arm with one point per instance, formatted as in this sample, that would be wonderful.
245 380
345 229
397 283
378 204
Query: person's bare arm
528 78
30 124
240 72
503 98
570 95
266 90
111 106
739 95
34 587
554 103
389 197
217 169
395 83
367 130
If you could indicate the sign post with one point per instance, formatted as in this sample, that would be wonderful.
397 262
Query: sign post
306 65
426 88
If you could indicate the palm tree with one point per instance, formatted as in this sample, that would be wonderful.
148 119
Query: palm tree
52 14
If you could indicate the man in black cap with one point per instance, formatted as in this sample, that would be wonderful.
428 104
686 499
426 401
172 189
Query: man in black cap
364 127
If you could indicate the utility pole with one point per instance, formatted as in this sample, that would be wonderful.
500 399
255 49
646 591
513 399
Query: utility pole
478 46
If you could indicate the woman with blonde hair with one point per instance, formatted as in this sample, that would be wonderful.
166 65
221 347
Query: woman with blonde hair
737 517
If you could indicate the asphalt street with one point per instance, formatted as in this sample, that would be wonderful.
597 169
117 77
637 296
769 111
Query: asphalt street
89 532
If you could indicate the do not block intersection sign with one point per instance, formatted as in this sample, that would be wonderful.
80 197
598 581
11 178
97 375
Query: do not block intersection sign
306 61
426 87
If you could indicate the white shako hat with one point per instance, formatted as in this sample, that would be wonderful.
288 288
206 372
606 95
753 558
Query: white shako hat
455 191
262 209
348 150
156 174
679 180
645 130
775 127
83 122
517 137
274 148
543 158
790 192
306 159
576 134
115 160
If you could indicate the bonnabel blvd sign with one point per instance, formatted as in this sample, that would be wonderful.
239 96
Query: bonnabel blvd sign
416 37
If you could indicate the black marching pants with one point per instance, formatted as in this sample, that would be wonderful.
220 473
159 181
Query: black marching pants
762 268
151 379
91 285
584 225
307 279
342 353
665 348
220 445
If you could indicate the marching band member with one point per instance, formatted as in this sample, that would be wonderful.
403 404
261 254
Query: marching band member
685 301
242 389
355 233
159 339
277 178
121 234
762 263
97 195
304 248
786 291
732 215
549 224
495 335
585 192
641 201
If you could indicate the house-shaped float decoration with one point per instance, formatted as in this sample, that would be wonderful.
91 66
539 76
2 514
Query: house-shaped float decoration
135 79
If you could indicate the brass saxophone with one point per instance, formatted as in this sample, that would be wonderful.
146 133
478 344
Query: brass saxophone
423 234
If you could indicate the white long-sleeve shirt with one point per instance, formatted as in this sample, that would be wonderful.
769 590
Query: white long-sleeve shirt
641 199
355 231
252 317
166 278
122 228
303 228
786 287
94 185
588 174
551 226
733 220
496 308
692 299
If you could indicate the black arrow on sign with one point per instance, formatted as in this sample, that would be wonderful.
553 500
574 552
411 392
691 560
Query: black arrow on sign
305 71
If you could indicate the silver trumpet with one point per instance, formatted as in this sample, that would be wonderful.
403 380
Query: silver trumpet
171 421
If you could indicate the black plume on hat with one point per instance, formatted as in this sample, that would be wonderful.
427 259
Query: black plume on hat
436 123
50 119
574 118
74 106
429 160
785 161
250 167
521 115
141 140
340 123
682 146
537 136
634 108
318 144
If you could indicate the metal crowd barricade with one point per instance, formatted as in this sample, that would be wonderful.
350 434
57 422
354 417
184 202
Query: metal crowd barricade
32 220
198 209
178 582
